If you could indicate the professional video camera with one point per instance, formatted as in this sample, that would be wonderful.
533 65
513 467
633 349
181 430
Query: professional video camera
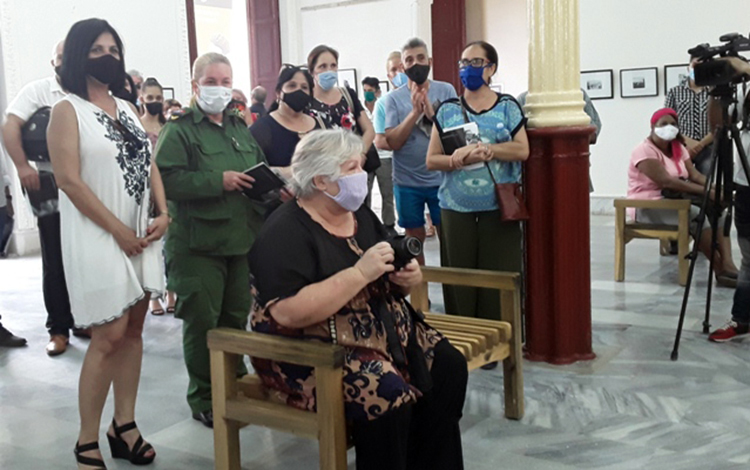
711 72
723 76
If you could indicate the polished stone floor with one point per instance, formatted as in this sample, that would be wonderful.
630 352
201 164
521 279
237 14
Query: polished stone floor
631 408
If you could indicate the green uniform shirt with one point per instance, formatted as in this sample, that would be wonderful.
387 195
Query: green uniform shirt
192 155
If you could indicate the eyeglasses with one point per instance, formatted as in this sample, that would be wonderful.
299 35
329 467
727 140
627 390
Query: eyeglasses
477 62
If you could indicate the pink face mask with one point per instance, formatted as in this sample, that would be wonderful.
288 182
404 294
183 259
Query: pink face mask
352 191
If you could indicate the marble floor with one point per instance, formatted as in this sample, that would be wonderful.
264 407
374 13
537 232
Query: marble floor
631 408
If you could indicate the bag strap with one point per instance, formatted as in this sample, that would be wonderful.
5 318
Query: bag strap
322 125
345 93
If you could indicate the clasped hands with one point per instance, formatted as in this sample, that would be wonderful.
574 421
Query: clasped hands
133 245
474 153
420 102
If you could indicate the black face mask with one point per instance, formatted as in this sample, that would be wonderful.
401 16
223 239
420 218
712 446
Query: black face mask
418 73
58 69
154 108
296 100
106 69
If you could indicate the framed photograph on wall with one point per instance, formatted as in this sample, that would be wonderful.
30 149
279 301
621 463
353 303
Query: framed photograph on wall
348 77
385 86
168 93
674 75
639 83
599 84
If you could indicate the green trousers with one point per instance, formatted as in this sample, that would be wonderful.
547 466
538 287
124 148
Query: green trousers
478 240
212 292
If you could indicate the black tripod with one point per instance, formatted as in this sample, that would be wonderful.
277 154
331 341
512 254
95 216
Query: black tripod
722 168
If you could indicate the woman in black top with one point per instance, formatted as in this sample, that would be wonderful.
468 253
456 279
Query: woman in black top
277 133
339 105
324 273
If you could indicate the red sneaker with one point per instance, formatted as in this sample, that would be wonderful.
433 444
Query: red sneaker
729 332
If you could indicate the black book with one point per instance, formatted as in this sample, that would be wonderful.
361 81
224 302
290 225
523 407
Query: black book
266 181
459 136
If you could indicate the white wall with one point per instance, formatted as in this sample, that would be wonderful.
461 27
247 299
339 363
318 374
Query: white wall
643 33
503 24
615 34
363 31
154 34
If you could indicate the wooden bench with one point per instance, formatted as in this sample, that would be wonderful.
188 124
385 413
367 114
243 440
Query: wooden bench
240 402
626 231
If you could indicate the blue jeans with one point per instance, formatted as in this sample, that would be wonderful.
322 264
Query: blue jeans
741 307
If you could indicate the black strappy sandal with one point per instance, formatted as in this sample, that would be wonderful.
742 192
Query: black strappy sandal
90 461
120 449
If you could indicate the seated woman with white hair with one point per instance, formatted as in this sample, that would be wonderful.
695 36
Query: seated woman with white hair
324 273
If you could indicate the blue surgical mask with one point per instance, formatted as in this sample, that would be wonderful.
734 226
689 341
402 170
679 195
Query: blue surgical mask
691 73
352 191
400 80
472 77
328 80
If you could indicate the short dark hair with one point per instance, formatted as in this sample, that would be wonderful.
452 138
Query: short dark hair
287 73
312 57
489 51
170 103
76 54
372 81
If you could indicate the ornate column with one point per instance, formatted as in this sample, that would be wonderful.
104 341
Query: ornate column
558 299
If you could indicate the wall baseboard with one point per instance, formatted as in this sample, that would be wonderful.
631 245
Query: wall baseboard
602 205
25 242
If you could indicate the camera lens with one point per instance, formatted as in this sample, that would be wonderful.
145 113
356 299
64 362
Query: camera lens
414 246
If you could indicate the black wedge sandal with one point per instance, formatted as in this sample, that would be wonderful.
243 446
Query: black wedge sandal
90 461
120 449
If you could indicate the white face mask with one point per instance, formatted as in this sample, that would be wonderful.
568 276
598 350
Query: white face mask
213 99
668 132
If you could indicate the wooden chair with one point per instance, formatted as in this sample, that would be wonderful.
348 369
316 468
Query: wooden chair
239 402
627 231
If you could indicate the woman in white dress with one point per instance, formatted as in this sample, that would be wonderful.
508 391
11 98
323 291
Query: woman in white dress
102 159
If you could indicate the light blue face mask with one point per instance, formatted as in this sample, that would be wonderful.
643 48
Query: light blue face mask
691 74
328 80
400 80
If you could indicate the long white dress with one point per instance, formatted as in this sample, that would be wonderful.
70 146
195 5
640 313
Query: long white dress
103 282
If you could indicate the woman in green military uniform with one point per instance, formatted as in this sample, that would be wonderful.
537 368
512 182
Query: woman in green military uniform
201 154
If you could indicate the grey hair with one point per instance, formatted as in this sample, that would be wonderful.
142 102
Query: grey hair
414 43
321 153
135 73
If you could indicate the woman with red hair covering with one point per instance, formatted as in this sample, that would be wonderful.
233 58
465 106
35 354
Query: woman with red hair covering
661 167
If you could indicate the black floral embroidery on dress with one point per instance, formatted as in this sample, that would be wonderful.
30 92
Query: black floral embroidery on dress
134 155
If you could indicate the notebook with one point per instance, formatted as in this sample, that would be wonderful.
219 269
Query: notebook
266 181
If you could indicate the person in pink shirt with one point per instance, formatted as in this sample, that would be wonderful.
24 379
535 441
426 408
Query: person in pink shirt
661 165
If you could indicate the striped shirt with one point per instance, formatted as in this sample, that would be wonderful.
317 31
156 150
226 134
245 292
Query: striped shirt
692 110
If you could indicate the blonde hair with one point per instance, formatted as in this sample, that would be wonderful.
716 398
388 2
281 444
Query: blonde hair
210 58
200 65
392 56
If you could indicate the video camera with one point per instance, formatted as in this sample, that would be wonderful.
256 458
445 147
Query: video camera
711 72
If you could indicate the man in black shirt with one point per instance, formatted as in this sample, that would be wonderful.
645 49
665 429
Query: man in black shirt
258 98
691 103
